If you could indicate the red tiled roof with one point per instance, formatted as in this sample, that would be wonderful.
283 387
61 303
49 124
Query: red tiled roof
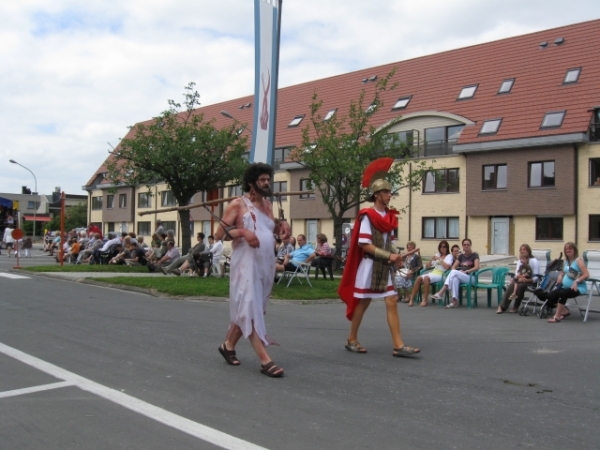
435 81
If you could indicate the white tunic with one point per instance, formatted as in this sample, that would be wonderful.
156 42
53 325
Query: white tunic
362 284
252 273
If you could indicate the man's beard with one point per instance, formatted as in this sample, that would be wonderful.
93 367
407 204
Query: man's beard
263 192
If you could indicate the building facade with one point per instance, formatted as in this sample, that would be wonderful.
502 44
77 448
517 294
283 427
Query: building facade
511 129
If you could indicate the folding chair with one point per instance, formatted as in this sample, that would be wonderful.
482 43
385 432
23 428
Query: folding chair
302 271
592 262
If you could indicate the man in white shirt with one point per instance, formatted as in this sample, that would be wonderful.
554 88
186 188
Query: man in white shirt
113 240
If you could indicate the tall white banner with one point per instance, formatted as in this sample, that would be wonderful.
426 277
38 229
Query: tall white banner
267 17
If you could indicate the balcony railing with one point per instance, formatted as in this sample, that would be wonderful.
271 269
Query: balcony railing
438 148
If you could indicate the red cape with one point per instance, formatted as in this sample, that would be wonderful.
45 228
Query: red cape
385 224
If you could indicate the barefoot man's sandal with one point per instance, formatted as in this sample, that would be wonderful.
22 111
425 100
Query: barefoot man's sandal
355 347
405 352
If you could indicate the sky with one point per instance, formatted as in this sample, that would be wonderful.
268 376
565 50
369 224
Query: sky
75 75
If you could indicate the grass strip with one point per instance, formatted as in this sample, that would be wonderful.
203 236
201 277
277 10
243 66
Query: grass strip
88 268
219 287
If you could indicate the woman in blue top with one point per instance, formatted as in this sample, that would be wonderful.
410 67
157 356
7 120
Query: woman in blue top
571 282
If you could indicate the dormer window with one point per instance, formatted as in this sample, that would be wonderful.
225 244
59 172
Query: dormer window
490 126
402 103
329 114
467 92
572 76
553 119
506 86
296 121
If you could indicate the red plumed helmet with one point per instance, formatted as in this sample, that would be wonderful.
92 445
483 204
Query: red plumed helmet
378 169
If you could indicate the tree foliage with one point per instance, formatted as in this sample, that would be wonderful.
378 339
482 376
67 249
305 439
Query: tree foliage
337 151
75 217
183 150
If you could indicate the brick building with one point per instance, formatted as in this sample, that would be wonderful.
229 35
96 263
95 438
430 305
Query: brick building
512 128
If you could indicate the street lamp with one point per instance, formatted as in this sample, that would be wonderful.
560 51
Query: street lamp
229 116
34 199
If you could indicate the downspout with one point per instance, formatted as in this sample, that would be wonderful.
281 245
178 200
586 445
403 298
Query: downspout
576 191
410 204
89 211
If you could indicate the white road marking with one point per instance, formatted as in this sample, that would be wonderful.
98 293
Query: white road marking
29 390
12 276
180 423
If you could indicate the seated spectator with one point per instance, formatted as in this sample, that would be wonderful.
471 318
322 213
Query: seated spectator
118 254
123 252
569 284
159 253
517 288
216 248
95 243
280 250
170 235
412 265
132 237
466 264
141 243
138 255
302 254
74 251
55 245
108 247
440 262
321 258
171 255
66 249
174 266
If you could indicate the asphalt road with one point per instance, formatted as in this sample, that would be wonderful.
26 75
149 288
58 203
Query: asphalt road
89 367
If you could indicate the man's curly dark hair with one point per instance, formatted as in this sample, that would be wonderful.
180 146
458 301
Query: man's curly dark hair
253 172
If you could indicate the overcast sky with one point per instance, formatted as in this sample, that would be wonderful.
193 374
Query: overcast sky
74 75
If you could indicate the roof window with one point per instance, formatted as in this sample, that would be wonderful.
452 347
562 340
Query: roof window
296 121
329 114
371 108
490 126
572 76
467 92
402 102
553 119
506 86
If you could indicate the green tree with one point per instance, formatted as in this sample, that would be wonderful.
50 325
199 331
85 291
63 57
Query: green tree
337 151
75 217
182 149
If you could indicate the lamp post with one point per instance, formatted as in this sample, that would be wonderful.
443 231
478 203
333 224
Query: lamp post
34 199
229 116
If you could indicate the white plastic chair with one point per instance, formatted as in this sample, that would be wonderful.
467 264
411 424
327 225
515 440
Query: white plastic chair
592 262
302 271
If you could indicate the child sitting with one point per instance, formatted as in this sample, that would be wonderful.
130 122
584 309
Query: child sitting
525 275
